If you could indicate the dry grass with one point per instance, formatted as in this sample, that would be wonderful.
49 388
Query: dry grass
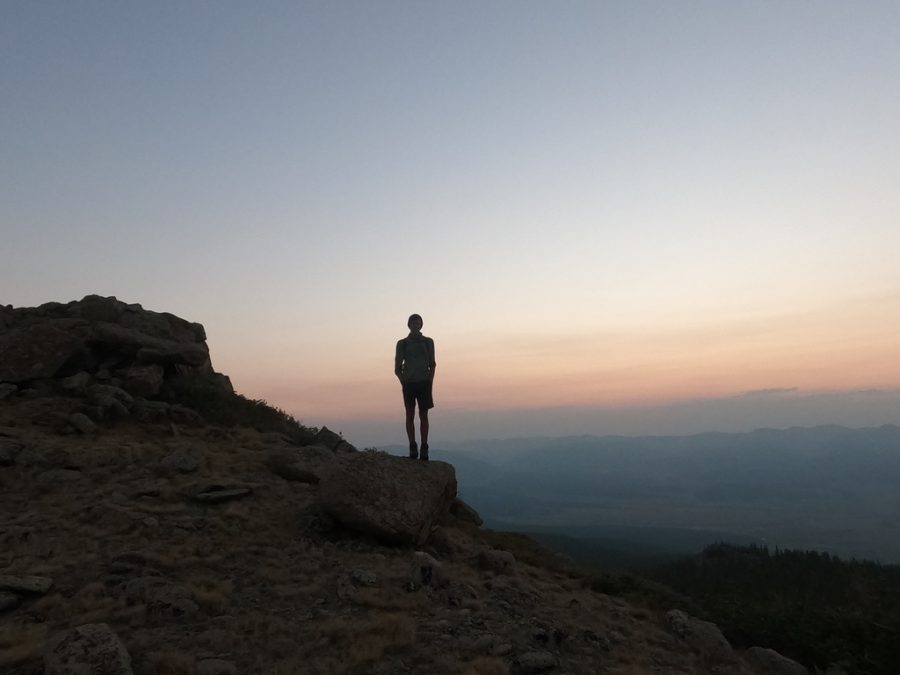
211 594
486 665
20 653
19 644
282 613
387 599
168 662
349 644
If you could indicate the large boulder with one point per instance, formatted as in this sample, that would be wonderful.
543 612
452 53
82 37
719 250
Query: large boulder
394 499
305 464
703 637
148 348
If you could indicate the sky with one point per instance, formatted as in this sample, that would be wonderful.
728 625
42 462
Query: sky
623 217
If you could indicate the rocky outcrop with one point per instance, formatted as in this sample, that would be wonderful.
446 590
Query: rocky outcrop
390 498
100 340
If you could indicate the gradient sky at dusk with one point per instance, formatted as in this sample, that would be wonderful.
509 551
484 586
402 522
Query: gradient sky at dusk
614 217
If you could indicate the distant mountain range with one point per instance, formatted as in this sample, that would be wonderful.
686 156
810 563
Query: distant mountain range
828 488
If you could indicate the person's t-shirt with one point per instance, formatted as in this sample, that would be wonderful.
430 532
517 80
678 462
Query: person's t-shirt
415 358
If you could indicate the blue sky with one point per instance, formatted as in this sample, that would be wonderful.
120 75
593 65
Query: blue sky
300 177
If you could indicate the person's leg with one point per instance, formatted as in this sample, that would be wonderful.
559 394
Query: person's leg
423 427
411 429
423 424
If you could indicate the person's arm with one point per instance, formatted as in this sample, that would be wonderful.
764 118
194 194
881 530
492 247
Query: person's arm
433 364
398 360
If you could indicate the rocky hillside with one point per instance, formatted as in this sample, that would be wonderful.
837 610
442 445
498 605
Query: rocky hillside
153 521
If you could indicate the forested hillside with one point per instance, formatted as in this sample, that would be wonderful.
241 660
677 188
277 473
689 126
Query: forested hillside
810 606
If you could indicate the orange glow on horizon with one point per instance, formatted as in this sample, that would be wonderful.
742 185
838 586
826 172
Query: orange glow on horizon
814 351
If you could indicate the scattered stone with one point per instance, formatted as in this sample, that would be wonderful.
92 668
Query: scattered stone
60 476
76 384
114 518
8 451
536 662
345 590
91 649
502 649
215 667
499 562
484 644
363 577
28 584
388 497
459 509
182 460
132 563
702 636
769 662
8 601
161 596
425 571
150 522
7 390
43 458
215 494
82 423
215 639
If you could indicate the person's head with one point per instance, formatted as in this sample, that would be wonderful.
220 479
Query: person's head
415 323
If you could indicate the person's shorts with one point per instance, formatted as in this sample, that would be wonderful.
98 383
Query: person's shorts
418 392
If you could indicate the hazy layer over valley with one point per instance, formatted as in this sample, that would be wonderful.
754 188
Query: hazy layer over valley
826 488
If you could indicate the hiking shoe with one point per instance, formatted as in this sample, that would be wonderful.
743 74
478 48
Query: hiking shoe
424 455
414 450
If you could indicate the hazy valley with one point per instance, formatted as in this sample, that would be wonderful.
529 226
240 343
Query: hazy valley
825 488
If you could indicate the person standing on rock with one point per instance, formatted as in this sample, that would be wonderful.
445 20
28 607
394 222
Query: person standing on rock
414 366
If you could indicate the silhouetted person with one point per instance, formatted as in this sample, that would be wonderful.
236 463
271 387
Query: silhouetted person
414 366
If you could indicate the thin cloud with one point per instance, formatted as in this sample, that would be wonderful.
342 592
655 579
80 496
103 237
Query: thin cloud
773 391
